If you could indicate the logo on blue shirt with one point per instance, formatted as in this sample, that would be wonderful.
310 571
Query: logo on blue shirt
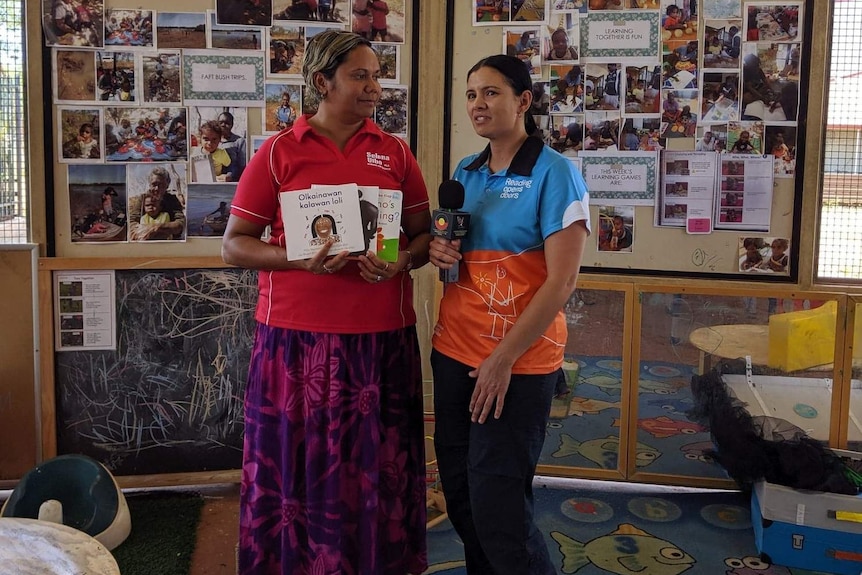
514 187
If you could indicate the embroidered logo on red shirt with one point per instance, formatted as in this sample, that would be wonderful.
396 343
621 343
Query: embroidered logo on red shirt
378 160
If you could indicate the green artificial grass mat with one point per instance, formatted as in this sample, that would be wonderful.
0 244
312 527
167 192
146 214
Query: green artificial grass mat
164 531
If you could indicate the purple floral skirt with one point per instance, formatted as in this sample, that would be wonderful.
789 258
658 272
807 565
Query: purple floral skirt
333 478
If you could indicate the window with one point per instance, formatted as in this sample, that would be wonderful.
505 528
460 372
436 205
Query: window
839 245
14 219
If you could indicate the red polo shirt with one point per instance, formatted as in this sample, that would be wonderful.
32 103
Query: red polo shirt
343 302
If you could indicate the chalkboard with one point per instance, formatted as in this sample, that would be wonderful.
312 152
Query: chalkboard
169 399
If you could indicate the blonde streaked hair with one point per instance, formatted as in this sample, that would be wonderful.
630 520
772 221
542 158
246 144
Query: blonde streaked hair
326 51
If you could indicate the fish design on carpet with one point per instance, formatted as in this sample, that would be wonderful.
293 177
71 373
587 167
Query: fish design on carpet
663 426
659 387
697 451
673 405
626 551
604 451
753 566
588 406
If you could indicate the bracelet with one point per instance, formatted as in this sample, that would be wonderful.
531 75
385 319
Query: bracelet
409 265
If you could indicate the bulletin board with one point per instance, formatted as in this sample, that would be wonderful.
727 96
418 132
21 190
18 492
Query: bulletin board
714 86
164 52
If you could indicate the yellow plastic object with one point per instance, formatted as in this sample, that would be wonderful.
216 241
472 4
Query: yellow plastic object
802 339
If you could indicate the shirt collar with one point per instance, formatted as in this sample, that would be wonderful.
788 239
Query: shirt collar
523 162
301 127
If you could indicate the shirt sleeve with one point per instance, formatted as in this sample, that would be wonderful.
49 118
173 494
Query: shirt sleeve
256 197
564 199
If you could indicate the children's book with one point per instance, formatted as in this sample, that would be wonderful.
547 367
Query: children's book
314 215
389 203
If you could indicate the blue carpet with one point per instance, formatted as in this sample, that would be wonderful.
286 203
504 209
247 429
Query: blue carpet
584 428
633 530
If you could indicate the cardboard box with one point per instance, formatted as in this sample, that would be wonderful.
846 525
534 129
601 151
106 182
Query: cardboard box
808 529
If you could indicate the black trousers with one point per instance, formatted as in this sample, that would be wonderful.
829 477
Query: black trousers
487 469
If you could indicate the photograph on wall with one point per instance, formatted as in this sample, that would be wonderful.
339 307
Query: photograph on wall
612 36
721 9
70 23
219 134
567 134
679 113
770 81
232 37
208 210
74 76
80 138
337 12
157 201
116 78
228 78
248 13
283 105
526 45
603 86
680 67
616 228
145 134
286 44
97 203
389 56
379 20
679 23
392 110
720 97
646 129
781 144
642 93
129 28
764 255
745 137
573 7
562 39
497 12
771 22
722 41
566 89
162 79
601 131
181 30
256 143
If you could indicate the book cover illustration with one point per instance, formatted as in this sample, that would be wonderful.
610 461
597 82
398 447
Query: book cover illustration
314 215
389 203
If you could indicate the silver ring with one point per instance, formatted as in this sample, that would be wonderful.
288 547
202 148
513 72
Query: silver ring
328 270
379 277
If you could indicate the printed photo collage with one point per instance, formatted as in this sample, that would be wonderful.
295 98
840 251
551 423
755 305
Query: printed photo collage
152 107
622 76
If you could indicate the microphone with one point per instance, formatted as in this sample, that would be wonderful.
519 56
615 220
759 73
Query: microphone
449 222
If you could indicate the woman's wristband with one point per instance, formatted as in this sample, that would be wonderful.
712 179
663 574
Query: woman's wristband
409 265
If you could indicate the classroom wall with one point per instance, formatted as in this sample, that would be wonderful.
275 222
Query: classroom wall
657 249
433 93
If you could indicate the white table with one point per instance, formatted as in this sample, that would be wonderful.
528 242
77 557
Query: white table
34 547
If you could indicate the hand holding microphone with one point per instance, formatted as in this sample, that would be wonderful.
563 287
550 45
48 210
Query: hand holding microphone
449 222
